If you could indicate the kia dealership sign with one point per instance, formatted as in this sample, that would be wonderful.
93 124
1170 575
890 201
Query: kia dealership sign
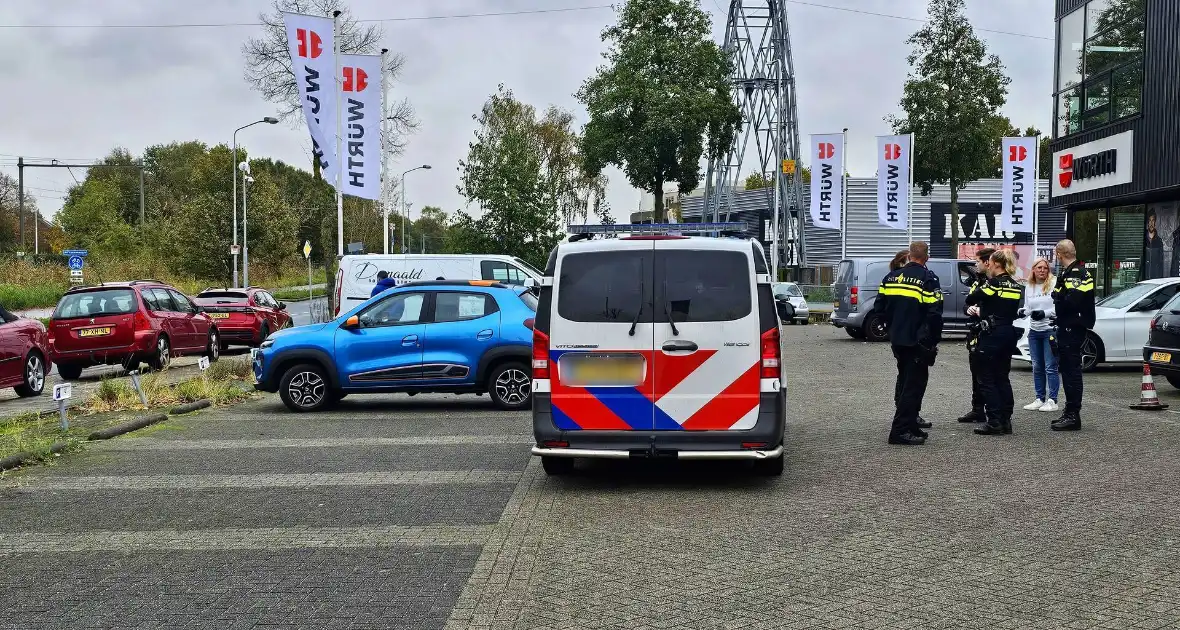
1094 165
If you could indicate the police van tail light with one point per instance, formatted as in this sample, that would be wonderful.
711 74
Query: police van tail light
540 354
853 299
771 354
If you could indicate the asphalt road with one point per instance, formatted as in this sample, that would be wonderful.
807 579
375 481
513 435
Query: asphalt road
427 512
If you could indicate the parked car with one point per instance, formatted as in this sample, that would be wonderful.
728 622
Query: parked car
24 354
855 289
243 316
658 345
790 303
127 323
357 274
1162 351
1122 324
442 336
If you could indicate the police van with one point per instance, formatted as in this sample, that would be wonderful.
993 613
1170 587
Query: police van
651 343
357 274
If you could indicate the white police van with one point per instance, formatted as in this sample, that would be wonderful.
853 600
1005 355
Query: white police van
649 343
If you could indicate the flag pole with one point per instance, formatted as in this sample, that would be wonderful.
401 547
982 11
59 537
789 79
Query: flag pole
339 165
844 195
909 212
384 158
1036 197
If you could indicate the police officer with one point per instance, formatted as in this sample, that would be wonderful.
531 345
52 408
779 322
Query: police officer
996 303
910 301
977 413
1073 300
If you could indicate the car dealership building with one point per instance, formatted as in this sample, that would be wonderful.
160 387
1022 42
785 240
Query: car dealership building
1116 136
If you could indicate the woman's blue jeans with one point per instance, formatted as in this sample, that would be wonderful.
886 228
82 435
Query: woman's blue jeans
1044 364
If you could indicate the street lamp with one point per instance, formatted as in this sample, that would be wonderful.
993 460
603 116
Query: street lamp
405 208
246 181
270 120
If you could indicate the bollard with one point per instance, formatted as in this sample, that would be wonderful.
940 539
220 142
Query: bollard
138 388
62 393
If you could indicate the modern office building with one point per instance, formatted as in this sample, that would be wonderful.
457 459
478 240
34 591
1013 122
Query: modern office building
1116 136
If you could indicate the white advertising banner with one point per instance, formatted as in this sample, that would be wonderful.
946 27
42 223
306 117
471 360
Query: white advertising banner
1019 156
894 179
310 40
360 145
827 180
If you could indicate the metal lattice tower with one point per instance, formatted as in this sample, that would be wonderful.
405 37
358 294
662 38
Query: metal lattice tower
758 43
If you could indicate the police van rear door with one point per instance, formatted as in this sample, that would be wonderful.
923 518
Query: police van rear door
707 338
601 336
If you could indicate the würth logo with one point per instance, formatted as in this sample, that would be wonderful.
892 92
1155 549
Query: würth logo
892 151
355 79
1065 163
1017 154
310 44
826 150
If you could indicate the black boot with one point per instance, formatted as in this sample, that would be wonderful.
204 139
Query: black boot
1006 425
923 423
907 439
994 426
975 415
1069 421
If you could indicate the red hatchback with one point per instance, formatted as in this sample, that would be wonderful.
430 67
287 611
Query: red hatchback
127 323
243 316
24 354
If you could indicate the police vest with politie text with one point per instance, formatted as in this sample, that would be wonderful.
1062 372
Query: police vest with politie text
1073 298
911 300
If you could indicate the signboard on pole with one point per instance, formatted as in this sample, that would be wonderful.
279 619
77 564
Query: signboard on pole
827 180
307 249
1019 187
894 179
360 95
311 40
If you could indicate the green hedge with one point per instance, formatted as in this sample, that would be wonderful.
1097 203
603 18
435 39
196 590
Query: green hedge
15 298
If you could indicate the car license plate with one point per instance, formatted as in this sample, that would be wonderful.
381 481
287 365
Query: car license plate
218 315
595 370
1162 357
94 332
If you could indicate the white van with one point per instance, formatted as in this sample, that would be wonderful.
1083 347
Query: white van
657 345
357 275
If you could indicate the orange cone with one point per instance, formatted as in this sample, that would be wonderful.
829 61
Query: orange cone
1148 400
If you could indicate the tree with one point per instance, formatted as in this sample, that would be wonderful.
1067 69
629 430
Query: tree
10 212
951 101
268 63
663 99
755 181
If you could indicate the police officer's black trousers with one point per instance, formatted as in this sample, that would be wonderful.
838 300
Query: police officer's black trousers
977 399
913 374
994 360
1069 365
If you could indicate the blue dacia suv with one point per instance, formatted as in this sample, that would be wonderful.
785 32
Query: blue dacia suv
444 336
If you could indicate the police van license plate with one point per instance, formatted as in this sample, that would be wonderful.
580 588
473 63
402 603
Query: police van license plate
94 332
1161 357
601 370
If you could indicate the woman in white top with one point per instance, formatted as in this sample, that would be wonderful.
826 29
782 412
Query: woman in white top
1038 308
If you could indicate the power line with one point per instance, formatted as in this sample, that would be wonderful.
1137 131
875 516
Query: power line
909 19
419 18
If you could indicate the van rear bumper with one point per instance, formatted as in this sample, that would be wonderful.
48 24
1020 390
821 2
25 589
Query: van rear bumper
763 441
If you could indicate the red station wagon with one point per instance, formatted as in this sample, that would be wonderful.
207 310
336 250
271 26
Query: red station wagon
243 316
24 354
127 323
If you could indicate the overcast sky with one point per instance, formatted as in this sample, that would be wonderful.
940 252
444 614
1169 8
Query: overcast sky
74 93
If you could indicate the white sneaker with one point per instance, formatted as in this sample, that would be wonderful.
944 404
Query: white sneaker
1050 405
1036 405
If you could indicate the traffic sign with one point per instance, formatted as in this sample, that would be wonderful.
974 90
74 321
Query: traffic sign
307 249
75 273
203 363
76 263
234 249
789 167
75 252
62 391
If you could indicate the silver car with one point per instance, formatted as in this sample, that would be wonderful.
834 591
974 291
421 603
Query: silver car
790 303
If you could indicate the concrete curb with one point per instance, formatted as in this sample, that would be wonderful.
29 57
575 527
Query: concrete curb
127 427
189 407
19 459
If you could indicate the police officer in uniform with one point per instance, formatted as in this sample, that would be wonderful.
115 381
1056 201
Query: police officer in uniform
1073 301
977 412
910 301
996 303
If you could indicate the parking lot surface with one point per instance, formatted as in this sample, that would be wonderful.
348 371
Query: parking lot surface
427 512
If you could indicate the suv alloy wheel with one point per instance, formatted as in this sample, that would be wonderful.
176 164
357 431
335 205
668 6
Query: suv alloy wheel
510 386
305 387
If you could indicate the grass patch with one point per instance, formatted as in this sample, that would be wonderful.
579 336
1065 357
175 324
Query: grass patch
16 297
295 295
35 433
820 294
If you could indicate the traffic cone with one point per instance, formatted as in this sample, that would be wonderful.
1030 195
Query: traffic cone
1148 400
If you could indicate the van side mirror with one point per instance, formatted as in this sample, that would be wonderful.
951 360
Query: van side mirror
530 282
282 306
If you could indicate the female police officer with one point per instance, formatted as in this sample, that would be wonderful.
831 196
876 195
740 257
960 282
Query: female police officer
996 303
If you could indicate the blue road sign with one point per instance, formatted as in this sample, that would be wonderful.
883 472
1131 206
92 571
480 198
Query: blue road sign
75 252
76 262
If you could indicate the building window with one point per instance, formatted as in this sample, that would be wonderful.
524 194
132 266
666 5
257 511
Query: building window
1100 47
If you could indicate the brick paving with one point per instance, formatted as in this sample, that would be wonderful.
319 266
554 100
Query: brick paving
427 512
